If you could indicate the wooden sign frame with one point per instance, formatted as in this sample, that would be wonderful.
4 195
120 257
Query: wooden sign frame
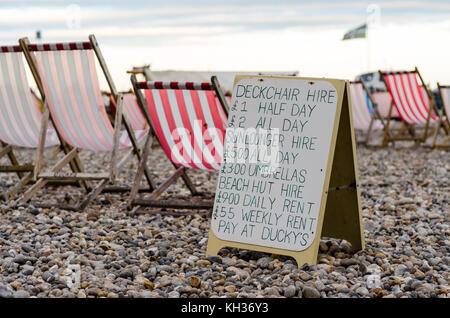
340 207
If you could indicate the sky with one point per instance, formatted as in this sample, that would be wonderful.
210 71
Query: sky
252 35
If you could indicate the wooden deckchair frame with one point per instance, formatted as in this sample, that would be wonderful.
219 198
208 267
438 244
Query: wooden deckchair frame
21 169
180 172
375 116
444 122
71 154
410 128
141 70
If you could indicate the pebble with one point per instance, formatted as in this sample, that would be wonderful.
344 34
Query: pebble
230 288
348 262
173 294
310 292
290 291
195 281
21 294
362 291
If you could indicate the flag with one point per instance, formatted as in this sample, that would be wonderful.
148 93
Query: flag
359 32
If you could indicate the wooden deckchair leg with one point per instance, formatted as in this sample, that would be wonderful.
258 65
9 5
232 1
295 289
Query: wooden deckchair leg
425 133
141 168
156 193
93 194
117 124
386 128
377 115
41 182
7 150
14 190
41 144
368 131
137 151
29 177
189 184
77 166
163 186
436 133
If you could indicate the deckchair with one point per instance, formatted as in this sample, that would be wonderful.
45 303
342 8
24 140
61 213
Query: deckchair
20 117
68 82
189 124
444 121
365 111
413 102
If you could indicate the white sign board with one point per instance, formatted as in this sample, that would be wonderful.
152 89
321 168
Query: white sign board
276 152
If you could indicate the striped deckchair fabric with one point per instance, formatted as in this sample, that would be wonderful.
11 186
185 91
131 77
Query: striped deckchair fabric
71 86
383 101
134 113
20 114
363 108
189 122
409 98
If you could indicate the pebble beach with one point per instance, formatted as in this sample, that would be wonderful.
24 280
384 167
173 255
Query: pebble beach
405 208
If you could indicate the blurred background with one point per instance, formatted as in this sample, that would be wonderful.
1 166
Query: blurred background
261 36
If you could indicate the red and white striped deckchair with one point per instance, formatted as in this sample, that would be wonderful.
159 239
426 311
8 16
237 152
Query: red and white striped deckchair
68 81
413 102
189 120
20 115
444 120
365 113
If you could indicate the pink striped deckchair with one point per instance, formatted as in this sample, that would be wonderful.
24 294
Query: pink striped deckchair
444 121
20 116
413 102
188 120
67 77
365 112
383 100
131 108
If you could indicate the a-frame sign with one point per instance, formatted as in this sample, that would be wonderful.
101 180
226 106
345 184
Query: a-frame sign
289 173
